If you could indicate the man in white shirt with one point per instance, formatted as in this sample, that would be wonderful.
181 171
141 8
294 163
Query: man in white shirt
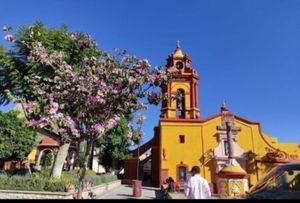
197 187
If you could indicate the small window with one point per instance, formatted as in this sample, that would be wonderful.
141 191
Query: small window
181 138
226 151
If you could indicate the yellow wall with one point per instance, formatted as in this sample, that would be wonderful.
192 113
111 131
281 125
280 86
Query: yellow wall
175 152
200 138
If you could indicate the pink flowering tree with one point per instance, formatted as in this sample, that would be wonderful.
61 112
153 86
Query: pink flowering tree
77 93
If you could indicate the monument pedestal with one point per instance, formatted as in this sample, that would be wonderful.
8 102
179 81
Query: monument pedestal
232 180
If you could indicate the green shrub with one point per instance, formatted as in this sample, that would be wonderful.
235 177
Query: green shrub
45 173
3 181
22 183
39 183
100 179
69 178
31 184
108 178
35 184
88 172
55 185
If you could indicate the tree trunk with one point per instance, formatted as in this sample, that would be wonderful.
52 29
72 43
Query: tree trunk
91 157
60 160
114 166
77 156
83 169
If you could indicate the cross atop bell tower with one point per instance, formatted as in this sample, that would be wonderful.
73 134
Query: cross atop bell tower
183 88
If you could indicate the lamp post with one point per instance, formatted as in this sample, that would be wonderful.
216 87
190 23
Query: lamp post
137 184
138 160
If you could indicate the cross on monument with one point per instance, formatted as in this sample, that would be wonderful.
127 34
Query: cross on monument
231 132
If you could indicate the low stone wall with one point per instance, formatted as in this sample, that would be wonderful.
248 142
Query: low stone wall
99 189
20 194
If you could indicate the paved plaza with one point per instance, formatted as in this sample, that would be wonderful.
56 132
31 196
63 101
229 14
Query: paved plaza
126 192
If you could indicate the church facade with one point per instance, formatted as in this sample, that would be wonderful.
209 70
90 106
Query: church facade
183 138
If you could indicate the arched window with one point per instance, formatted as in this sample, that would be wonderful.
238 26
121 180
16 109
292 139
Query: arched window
180 104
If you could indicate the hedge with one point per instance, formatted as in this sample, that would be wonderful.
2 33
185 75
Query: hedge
41 183
31 183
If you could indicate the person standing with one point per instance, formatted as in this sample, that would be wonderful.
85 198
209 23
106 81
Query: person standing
197 187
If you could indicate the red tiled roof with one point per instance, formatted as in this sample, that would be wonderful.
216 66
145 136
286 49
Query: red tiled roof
47 141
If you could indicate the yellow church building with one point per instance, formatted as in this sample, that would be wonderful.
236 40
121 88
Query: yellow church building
183 138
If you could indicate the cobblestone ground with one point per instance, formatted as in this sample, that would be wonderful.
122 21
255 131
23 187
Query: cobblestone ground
126 192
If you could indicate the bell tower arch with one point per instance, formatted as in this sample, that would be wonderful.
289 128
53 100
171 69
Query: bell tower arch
183 85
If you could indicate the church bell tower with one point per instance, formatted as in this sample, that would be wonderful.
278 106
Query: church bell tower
183 85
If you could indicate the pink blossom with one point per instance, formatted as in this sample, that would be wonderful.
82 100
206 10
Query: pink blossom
103 84
9 38
42 122
100 88
75 132
50 97
62 130
98 128
101 101
113 121
28 105
100 93
69 121
31 122
141 119
130 133
41 125
131 80
54 108
114 91
72 37
142 106
152 78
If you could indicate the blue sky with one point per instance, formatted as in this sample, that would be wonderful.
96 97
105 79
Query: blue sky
245 51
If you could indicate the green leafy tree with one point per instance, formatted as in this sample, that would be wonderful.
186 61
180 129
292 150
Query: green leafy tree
116 144
16 140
